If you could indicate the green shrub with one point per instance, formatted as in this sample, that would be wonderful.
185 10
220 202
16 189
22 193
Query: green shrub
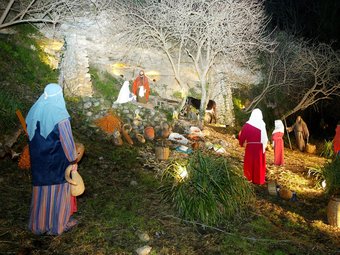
317 173
327 149
177 94
105 84
331 172
206 189
240 116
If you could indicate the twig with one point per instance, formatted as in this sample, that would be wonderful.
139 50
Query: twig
228 233
4 233
9 242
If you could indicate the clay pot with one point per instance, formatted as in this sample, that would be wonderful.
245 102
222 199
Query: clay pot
76 182
80 148
117 139
165 133
140 138
149 133
195 146
126 129
285 194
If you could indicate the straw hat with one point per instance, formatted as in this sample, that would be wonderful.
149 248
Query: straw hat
77 183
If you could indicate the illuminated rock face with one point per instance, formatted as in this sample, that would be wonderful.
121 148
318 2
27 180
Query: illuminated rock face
91 43
74 67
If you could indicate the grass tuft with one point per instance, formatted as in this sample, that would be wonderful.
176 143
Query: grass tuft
209 191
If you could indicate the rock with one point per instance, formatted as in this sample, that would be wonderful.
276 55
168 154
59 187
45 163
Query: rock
145 250
144 237
133 183
87 105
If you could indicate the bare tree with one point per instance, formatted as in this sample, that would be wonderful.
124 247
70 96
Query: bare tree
203 32
47 11
299 75
319 69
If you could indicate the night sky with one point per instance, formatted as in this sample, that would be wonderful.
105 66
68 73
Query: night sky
312 19
318 21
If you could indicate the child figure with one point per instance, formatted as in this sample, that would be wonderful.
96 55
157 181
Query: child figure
278 143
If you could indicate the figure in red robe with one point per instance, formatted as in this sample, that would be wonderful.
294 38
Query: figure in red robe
141 88
254 136
277 138
336 140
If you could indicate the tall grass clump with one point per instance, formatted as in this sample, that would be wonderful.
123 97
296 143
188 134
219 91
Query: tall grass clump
23 74
205 189
327 149
9 103
331 172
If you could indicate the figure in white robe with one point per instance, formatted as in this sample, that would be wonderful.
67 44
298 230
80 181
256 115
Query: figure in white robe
125 95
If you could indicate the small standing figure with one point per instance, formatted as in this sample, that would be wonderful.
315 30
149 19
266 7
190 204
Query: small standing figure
254 135
336 140
124 95
301 133
277 138
52 150
141 88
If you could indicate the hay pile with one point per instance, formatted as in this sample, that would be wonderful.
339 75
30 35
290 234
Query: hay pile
109 123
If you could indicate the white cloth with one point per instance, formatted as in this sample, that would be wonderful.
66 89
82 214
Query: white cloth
196 131
279 127
178 138
124 95
256 120
141 91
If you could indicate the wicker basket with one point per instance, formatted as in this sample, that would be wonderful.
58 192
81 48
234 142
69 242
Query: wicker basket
272 188
162 153
80 148
311 148
333 211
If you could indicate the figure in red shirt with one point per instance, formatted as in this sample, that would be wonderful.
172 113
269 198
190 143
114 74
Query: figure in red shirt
277 138
254 136
141 88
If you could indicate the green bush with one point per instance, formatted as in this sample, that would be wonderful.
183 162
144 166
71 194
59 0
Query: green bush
331 173
327 149
177 95
105 84
205 189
